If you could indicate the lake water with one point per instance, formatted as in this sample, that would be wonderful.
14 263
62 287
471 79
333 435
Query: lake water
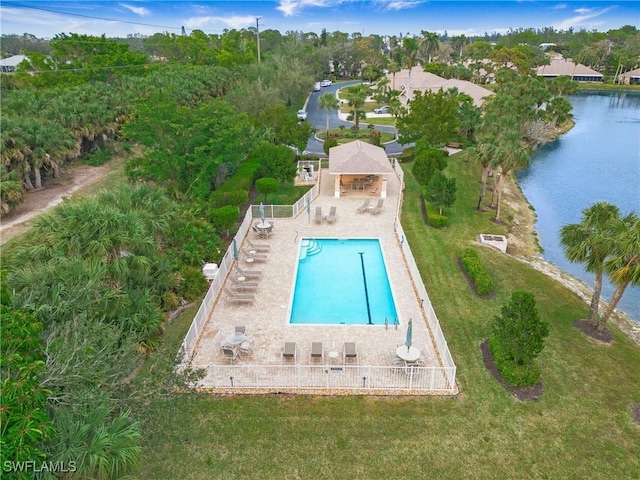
597 161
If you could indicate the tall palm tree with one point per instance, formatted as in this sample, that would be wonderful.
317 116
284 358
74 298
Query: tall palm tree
329 102
623 265
590 242
356 96
511 155
394 67
396 109
429 45
484 154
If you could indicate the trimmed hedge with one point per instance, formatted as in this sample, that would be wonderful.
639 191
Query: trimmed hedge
221 198
475 269
434 218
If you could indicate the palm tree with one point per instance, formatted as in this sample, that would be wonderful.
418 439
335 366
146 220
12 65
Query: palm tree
484 154
103 445
623 265
356 96
429 45
11 191
393 68
590 242
510 154
329 102
396 109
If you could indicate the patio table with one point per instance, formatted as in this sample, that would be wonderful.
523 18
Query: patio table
410 354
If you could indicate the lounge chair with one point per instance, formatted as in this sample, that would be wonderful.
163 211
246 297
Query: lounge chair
375 190
258 247
249 253
243 285
248 273
239 297
364 207
316 352
289 352
332 215
318 214
350 352
376 210
251 259
231 353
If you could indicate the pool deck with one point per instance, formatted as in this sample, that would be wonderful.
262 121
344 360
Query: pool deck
267 319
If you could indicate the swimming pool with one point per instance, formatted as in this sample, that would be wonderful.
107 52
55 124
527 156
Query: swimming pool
330 284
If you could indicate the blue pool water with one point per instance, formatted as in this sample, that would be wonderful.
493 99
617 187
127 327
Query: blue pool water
330 287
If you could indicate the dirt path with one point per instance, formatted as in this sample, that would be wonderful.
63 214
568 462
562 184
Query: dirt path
72 180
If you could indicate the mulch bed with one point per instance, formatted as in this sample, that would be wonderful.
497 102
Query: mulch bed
523 394
587 328
472 284
635 412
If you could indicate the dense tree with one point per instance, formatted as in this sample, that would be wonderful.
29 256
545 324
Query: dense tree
427 161
441 190
432 117
276 161
267 185
191 150
517 338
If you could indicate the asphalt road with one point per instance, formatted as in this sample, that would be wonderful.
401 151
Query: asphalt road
318 118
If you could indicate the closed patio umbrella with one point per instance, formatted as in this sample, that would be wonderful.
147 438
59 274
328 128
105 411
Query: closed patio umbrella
309 208
262 212
409 334
235 249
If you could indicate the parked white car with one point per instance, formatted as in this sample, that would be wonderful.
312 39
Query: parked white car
316 87
302 114
325 83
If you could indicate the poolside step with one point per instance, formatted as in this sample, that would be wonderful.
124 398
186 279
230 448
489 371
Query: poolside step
309 247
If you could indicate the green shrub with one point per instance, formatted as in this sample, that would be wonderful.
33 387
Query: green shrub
512 372
192 283
243 177
98 156
435 219
329 143
224 218
221 198
475 269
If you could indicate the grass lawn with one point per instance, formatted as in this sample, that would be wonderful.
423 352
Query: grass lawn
581 428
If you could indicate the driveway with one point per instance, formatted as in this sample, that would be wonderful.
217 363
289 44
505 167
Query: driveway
318 118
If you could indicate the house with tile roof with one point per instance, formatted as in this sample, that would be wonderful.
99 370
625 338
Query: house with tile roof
632 77
565 67
407 82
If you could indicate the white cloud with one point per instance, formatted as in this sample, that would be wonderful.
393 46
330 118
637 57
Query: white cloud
208 22
401 4
290 7
560 6
583 19
140 11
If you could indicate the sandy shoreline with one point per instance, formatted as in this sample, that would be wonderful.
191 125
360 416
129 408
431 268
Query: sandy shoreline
523 247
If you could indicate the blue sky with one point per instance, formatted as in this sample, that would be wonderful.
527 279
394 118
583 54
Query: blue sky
383 17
